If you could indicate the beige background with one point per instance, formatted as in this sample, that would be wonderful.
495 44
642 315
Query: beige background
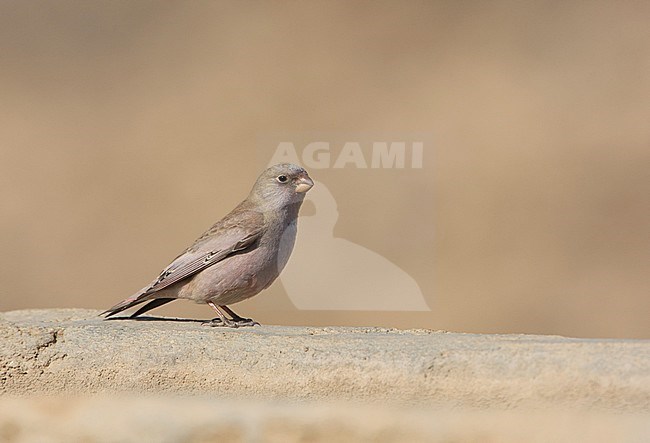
127 128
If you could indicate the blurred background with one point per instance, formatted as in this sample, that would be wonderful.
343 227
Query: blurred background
128 128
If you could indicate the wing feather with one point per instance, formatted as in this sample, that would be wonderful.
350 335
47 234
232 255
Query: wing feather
180 271
236 232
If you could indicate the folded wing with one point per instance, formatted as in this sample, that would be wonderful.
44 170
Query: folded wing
235 233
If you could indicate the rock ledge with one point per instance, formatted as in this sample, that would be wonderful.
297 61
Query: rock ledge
74 351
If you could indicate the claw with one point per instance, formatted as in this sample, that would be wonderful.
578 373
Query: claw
224 321
218 323
246 322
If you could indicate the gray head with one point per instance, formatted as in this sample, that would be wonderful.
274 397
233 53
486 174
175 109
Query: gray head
281 185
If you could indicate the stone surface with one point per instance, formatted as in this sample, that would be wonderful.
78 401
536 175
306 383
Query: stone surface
75 351
68 375
200 419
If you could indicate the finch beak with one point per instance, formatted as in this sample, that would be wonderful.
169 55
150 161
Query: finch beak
304 184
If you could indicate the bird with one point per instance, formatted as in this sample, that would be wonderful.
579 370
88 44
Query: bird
238 256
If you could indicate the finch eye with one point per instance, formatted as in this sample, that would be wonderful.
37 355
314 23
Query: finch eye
282 178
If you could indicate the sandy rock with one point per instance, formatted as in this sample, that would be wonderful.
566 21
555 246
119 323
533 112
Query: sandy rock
75 351
180 419
68 375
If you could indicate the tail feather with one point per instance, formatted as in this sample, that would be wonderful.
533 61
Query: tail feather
123 305
152 305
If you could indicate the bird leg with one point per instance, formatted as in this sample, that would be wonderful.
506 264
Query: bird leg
241 321
222 320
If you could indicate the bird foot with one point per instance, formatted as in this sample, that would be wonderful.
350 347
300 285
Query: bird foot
219 323
245 322
234 323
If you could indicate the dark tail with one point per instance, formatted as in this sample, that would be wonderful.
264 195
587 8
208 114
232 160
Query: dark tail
152 305
125 304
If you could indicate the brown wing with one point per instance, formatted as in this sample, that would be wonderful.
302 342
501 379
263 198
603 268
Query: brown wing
236 232
189 264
